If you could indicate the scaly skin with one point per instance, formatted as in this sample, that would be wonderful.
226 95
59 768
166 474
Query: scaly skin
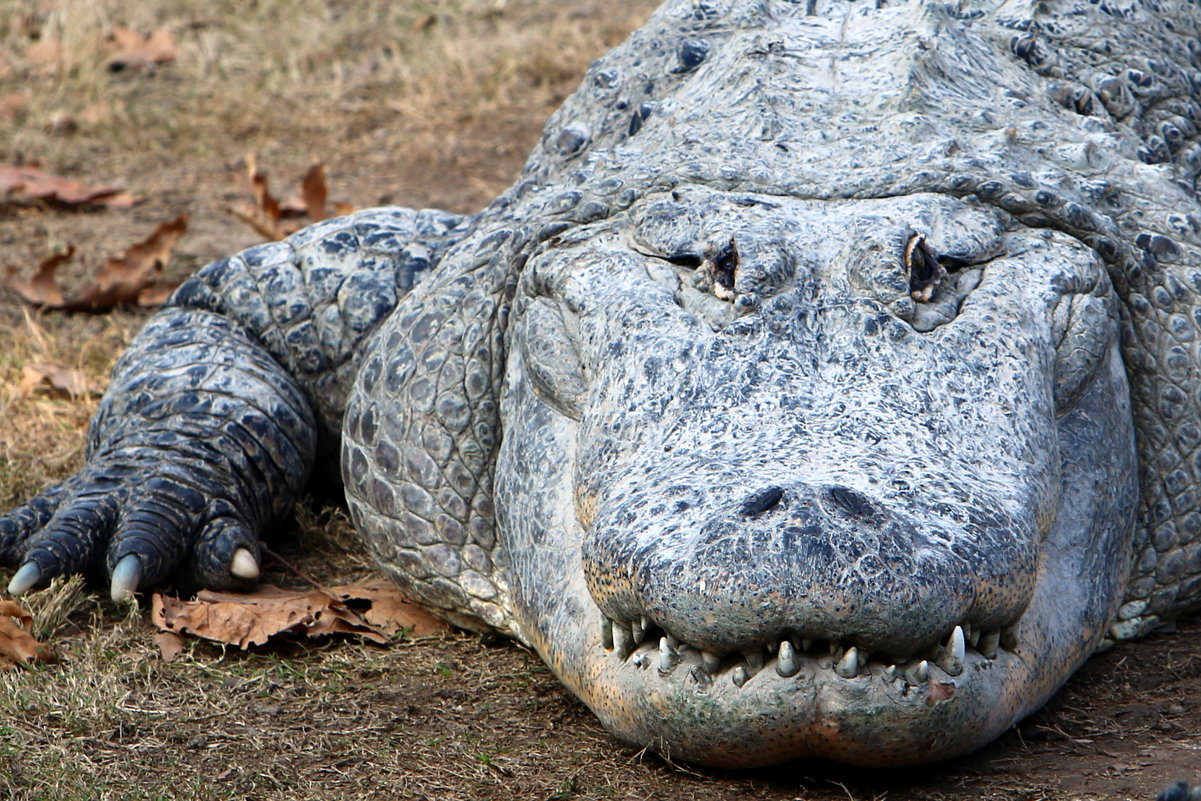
825 387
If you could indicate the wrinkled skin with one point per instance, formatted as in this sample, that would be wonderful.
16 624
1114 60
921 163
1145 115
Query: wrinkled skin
824 388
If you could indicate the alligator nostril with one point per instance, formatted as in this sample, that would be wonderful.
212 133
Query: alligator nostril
852 502
761 501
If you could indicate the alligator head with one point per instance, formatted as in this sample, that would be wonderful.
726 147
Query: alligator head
834 478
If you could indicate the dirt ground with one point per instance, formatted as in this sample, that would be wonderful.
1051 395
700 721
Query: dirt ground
422 103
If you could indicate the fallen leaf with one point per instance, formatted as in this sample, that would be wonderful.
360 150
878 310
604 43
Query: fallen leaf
42 289
265 213
95 113
17 645
58 380
63 122
131 279
313 190
121 281
169 645
45 56
246 619
34 182
382 604
131 50
156 294
11 103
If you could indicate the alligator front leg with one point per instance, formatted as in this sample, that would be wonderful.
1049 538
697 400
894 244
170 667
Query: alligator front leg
216 413
201 438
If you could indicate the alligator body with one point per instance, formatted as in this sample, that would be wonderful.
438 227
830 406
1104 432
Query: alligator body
827 385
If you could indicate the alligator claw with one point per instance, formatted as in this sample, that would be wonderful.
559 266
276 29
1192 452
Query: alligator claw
244 565
25 579
127 576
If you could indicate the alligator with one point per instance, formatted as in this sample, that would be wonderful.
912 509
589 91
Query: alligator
825 386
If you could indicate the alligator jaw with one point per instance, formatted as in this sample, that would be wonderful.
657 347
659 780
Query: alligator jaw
826 700
840 705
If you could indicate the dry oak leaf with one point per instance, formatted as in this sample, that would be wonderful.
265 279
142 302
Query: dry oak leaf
17 645
382 604
31 180
132 279
132 50
169 645
42 289
57 380
266 212
45 56
246 619
11 103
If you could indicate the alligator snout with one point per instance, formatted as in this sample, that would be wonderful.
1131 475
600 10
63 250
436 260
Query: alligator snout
726 570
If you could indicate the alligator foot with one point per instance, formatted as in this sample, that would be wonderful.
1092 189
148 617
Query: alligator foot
134 520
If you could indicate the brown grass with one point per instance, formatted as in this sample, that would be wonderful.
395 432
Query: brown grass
437 115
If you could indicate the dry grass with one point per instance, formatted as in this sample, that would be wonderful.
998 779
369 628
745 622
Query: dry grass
437 115
41 434
406 82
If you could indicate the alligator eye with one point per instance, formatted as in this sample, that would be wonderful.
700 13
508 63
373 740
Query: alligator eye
925 271
722 261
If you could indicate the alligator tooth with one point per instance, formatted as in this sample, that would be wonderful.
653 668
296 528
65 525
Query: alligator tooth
754 660
988 644
673 642
951 659
622 642
738 676
668 658
606 632
1011 636
786 662
848 666
638 630
921 672
890 673
973 637
834 646
806 643
711 662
